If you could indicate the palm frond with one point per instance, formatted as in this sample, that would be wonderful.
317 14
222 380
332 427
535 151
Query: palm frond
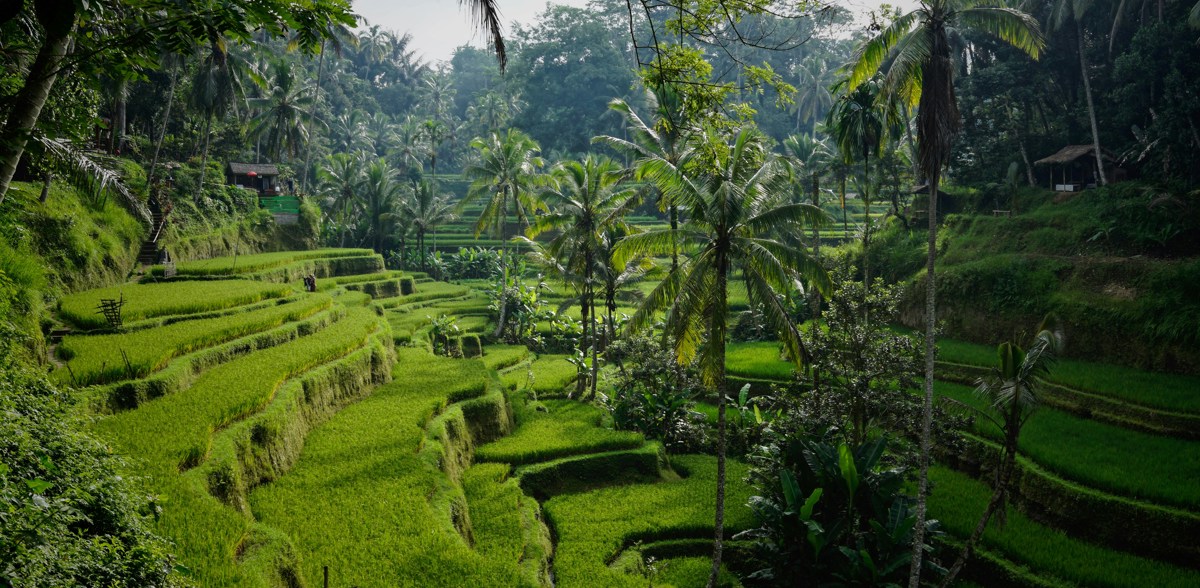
1011 26
88 175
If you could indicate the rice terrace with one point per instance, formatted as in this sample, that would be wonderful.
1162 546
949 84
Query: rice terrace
584 293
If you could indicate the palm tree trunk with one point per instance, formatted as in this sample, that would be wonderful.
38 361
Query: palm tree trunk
162 133
27 105
1087 91
716 338
918 545
595 343
204 158
313 114
866 225
504 278
816 231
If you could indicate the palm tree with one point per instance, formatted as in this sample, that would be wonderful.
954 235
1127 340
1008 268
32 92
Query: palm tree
1012 392
216 88
813 96
504 175
860 121
585 201
380 192
1060 12
340 179
338 35
805 154
427 209
285 114
664 140
732 214
410 146
921 73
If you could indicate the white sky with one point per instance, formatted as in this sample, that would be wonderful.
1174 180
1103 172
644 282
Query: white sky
439 26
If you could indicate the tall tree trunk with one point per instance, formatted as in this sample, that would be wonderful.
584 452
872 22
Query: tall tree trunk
595 342
504 276
27 104
47 177
204 158
162 133
866 196
313 114
816 232
918 545
716 338
1087 90
1028 168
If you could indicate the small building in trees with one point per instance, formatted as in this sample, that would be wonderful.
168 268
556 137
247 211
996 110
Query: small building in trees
918 211
260 177
273 195
1073 168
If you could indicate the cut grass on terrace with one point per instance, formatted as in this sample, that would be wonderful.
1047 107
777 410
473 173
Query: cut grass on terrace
1164 391
957 500
566 427
358 498
593 527
149 300
1107 457
96 359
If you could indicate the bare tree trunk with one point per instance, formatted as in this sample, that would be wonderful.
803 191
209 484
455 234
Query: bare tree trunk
313 114
595 343
816 232
866 196
162 133
1028 167
918 545
27 104
504 278
47 177
204 159
716 338
1087 90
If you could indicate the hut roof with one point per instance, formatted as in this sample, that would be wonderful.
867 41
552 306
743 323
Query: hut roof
1070 153
260 169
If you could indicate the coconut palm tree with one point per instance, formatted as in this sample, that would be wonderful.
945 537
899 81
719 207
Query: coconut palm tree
665 139
1012 392
217 87
340 179
285 113
380 193
504 176
920 72
338 35
427 209
813 96
861 121
585 200
1074 10
732 217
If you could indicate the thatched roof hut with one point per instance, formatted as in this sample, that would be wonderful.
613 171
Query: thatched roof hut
1073 168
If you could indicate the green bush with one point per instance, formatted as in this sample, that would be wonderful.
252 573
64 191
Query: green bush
68 516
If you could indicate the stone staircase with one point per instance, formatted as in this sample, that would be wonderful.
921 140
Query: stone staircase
151 253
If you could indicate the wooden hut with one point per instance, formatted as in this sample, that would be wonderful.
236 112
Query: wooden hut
1073 168
260 177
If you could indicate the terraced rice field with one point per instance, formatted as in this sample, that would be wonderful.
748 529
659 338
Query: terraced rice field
286 433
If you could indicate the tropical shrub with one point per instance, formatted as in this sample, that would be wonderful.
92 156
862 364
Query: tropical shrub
653 395
67 517
829 514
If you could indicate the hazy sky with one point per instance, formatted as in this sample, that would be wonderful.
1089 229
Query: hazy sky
439 26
